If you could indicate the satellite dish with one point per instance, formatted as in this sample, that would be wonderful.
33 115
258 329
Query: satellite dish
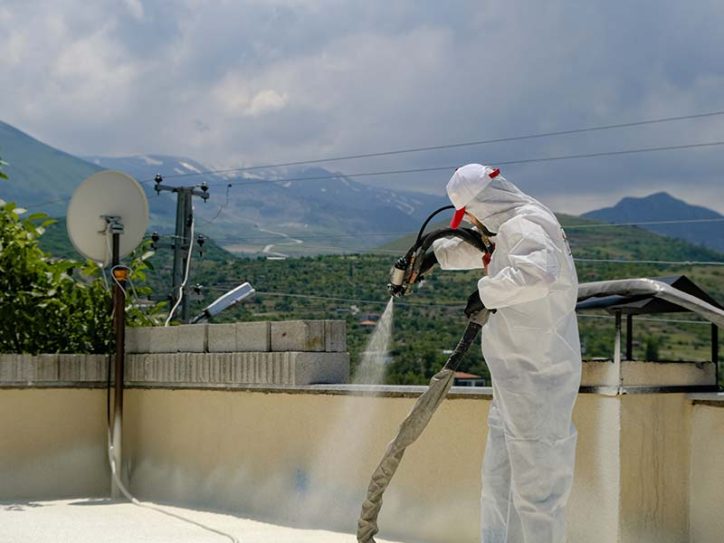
106 199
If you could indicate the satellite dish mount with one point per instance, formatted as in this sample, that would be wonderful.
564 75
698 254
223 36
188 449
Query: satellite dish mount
111 205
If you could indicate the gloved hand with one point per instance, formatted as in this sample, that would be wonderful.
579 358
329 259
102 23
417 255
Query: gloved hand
428 261
475 304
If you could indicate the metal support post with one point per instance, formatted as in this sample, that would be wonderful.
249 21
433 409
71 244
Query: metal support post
119 327
715 351
617 352
629 337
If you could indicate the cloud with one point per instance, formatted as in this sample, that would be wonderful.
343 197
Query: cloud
233 83
236 97
135 8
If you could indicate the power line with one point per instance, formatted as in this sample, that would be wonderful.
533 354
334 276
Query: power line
661 262
401 233
359 250
440 305
450 167
608 225
461 144
497 163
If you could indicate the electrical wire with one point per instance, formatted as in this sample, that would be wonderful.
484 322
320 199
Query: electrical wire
352 250
460 144
640 223
130 497
221 207
437 305
110 450
658 262
269 237
497 163
186 274
116 281
439 168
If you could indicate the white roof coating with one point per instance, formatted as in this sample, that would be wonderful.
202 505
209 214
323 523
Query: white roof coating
93 520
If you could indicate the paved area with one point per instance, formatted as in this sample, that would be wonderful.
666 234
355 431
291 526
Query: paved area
93 521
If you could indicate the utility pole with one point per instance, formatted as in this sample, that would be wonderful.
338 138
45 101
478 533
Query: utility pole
183 237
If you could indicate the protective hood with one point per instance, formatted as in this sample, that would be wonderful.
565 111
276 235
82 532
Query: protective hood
483 192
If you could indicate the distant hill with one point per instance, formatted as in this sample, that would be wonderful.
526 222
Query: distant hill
38 173
313 211
664 207
595 240
317 211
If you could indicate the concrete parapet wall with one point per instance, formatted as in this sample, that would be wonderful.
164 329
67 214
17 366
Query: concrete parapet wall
53 444
253 353
648 466
651 374
706 476
30 369
290 368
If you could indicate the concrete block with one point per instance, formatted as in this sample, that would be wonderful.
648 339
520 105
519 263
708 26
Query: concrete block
146 365
225 367
138 340
283 368
69 367
335 336
134 365
253 336
82 367
9 368
320 368
192 338
44 367
222 338
149 368
163 339
301 336
95 367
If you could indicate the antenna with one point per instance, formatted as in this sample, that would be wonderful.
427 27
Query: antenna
107 218
105 203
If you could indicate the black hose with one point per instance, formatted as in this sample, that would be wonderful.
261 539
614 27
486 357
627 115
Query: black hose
429 218
471 332
469 235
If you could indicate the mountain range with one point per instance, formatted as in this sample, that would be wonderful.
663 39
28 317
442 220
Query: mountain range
706 227
299 210
288 210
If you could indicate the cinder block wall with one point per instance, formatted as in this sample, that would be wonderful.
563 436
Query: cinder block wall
244 353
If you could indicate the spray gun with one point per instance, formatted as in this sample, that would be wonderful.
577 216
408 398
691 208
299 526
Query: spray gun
408 269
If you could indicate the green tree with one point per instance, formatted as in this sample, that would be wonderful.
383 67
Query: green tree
55 305
42 308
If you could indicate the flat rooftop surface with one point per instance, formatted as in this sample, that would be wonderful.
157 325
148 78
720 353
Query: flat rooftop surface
94 520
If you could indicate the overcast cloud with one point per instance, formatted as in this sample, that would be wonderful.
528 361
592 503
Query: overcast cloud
234 83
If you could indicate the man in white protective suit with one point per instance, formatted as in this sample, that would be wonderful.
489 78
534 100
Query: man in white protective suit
531 346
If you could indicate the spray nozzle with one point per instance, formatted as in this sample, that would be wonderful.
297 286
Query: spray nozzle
399 277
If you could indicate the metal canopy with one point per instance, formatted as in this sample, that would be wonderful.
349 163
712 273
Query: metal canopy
641 304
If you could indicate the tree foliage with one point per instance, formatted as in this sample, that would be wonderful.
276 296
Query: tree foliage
50 305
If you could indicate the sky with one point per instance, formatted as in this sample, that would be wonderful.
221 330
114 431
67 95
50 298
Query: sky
249 82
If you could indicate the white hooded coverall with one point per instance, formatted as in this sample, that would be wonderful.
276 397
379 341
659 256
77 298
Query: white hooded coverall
531 346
